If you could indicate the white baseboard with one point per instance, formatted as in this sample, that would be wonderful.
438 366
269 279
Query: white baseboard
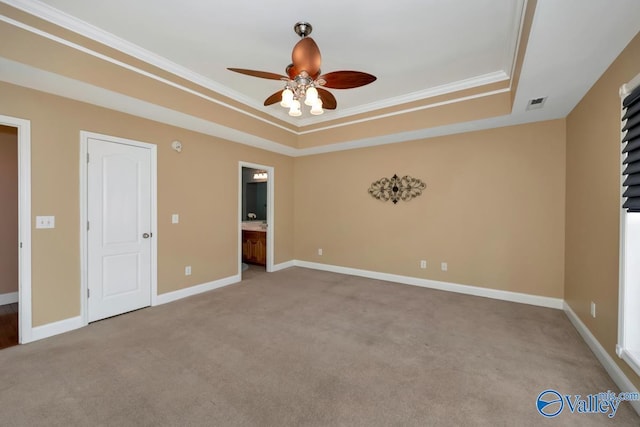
541 301
8 298
197 289
283 265
55 328
66 325
605 359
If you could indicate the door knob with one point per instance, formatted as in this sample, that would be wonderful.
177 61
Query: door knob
146 235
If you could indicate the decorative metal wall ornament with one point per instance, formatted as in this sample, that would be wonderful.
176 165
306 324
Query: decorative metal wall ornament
395 188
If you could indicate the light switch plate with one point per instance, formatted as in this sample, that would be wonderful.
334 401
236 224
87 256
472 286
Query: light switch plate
45 222
175 218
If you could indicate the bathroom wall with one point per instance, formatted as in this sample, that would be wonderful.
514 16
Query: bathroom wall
254 195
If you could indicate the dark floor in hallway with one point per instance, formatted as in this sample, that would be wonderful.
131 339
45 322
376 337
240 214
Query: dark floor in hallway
8 325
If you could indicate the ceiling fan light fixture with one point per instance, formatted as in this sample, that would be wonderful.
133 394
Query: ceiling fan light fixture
304 82
312 96
316 108
287 98
294 110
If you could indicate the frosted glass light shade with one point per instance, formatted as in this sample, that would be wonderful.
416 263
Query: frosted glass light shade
316 108
294 110
287 98
312 96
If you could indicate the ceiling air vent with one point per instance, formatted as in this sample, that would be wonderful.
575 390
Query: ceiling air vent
536 103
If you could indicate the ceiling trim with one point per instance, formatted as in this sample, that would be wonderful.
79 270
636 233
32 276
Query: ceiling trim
70 23
526 21
416 96
134 69
421 134
515 36
37 79
469 83
45 81
409 110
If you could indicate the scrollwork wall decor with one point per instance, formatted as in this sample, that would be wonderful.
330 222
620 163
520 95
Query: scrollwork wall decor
395 188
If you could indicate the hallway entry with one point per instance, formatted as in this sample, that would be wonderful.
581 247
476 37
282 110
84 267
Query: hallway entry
9 256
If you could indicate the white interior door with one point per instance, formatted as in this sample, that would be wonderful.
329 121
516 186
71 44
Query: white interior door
119 228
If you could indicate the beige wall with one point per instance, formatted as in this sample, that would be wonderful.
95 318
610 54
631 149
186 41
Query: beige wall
493 209
592 205
8 209
201 184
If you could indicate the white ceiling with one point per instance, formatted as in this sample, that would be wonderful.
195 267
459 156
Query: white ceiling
415 47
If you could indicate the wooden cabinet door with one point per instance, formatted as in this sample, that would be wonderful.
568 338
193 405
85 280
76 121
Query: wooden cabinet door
254 247
260 251
246 248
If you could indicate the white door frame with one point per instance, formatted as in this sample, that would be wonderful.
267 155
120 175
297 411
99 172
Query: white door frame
84 255
24 225
270 216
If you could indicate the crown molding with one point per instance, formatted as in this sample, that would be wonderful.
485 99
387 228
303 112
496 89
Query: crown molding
470 83
24 75
50 14
34 78
137 70
420 134
515 37
71 23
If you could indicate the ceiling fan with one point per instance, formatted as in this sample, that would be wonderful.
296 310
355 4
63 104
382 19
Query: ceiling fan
303 79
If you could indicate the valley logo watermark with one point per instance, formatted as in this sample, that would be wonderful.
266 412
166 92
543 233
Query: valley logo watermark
551 403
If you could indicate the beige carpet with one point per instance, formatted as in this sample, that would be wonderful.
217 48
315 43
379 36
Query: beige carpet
307 348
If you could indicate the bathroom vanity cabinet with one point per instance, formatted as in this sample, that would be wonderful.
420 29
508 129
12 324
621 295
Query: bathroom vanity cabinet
254 247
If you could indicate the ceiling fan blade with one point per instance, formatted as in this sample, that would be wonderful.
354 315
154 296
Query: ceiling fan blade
261 74
276 97
347 79
328 100
306 56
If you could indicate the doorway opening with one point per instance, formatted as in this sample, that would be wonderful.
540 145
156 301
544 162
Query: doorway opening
15 211
256 223
9 250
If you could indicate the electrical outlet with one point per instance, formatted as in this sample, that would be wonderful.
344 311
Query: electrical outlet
320 251
593 309
423 264
444 266
187 270
45 222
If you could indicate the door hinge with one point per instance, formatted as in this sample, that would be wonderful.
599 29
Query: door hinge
88 292
87 157
88 226
20 245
